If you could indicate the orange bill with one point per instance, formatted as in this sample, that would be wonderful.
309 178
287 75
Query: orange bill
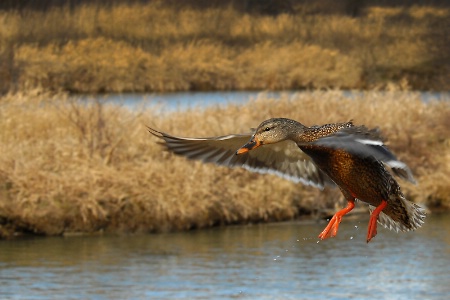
252 144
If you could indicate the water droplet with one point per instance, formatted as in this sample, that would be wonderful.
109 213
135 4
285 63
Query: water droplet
351 238
318 242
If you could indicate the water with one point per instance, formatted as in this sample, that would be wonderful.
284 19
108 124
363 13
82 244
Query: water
180 101
267 261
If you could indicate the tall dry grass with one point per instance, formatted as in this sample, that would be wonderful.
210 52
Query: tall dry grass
157 46
71 167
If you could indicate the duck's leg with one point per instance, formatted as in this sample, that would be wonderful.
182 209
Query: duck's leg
372 230
333 226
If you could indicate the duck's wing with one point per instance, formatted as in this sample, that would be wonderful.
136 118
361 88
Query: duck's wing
366 143
284 159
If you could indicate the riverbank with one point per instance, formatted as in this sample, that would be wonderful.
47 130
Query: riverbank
162 46
72 168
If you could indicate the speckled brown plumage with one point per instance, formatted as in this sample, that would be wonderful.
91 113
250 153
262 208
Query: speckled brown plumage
352 157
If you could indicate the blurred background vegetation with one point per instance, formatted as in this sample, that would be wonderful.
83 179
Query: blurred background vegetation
141 46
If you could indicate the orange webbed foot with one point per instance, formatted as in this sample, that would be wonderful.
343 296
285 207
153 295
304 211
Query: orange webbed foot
372 229
333 226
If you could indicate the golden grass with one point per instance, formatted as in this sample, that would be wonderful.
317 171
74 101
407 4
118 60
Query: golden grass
161 47
70 167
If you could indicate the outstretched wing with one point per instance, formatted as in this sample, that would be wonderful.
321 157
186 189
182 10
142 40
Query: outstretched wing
284 159
366 143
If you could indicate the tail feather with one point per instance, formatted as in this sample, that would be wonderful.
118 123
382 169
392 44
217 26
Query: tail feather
401 215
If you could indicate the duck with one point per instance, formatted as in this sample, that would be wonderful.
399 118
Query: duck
353 158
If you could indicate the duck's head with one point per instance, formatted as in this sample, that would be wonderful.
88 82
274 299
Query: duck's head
272 131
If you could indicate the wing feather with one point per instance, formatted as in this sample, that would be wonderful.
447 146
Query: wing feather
366 143
283 159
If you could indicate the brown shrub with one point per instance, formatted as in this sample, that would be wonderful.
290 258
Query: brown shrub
157 47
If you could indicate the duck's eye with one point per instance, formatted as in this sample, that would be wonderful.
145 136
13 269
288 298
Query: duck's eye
267 129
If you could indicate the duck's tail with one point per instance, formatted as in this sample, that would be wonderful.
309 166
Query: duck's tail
401 214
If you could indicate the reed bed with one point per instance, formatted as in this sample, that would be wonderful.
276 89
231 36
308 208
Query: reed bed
68 166
160 46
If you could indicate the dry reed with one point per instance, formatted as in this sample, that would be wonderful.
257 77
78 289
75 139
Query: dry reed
161 47
73 167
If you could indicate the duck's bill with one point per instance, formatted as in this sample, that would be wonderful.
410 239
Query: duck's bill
252 144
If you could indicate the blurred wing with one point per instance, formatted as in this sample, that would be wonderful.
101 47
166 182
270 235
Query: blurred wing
366 143
284 159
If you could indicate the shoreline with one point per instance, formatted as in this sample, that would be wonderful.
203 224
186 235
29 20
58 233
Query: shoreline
359 213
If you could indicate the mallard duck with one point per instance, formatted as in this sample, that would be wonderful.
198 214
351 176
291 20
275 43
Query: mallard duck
352 157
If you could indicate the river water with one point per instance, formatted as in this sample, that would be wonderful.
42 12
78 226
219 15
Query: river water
180 101
266 261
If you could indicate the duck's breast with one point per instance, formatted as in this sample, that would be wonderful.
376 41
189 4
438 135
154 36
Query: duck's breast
363 178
